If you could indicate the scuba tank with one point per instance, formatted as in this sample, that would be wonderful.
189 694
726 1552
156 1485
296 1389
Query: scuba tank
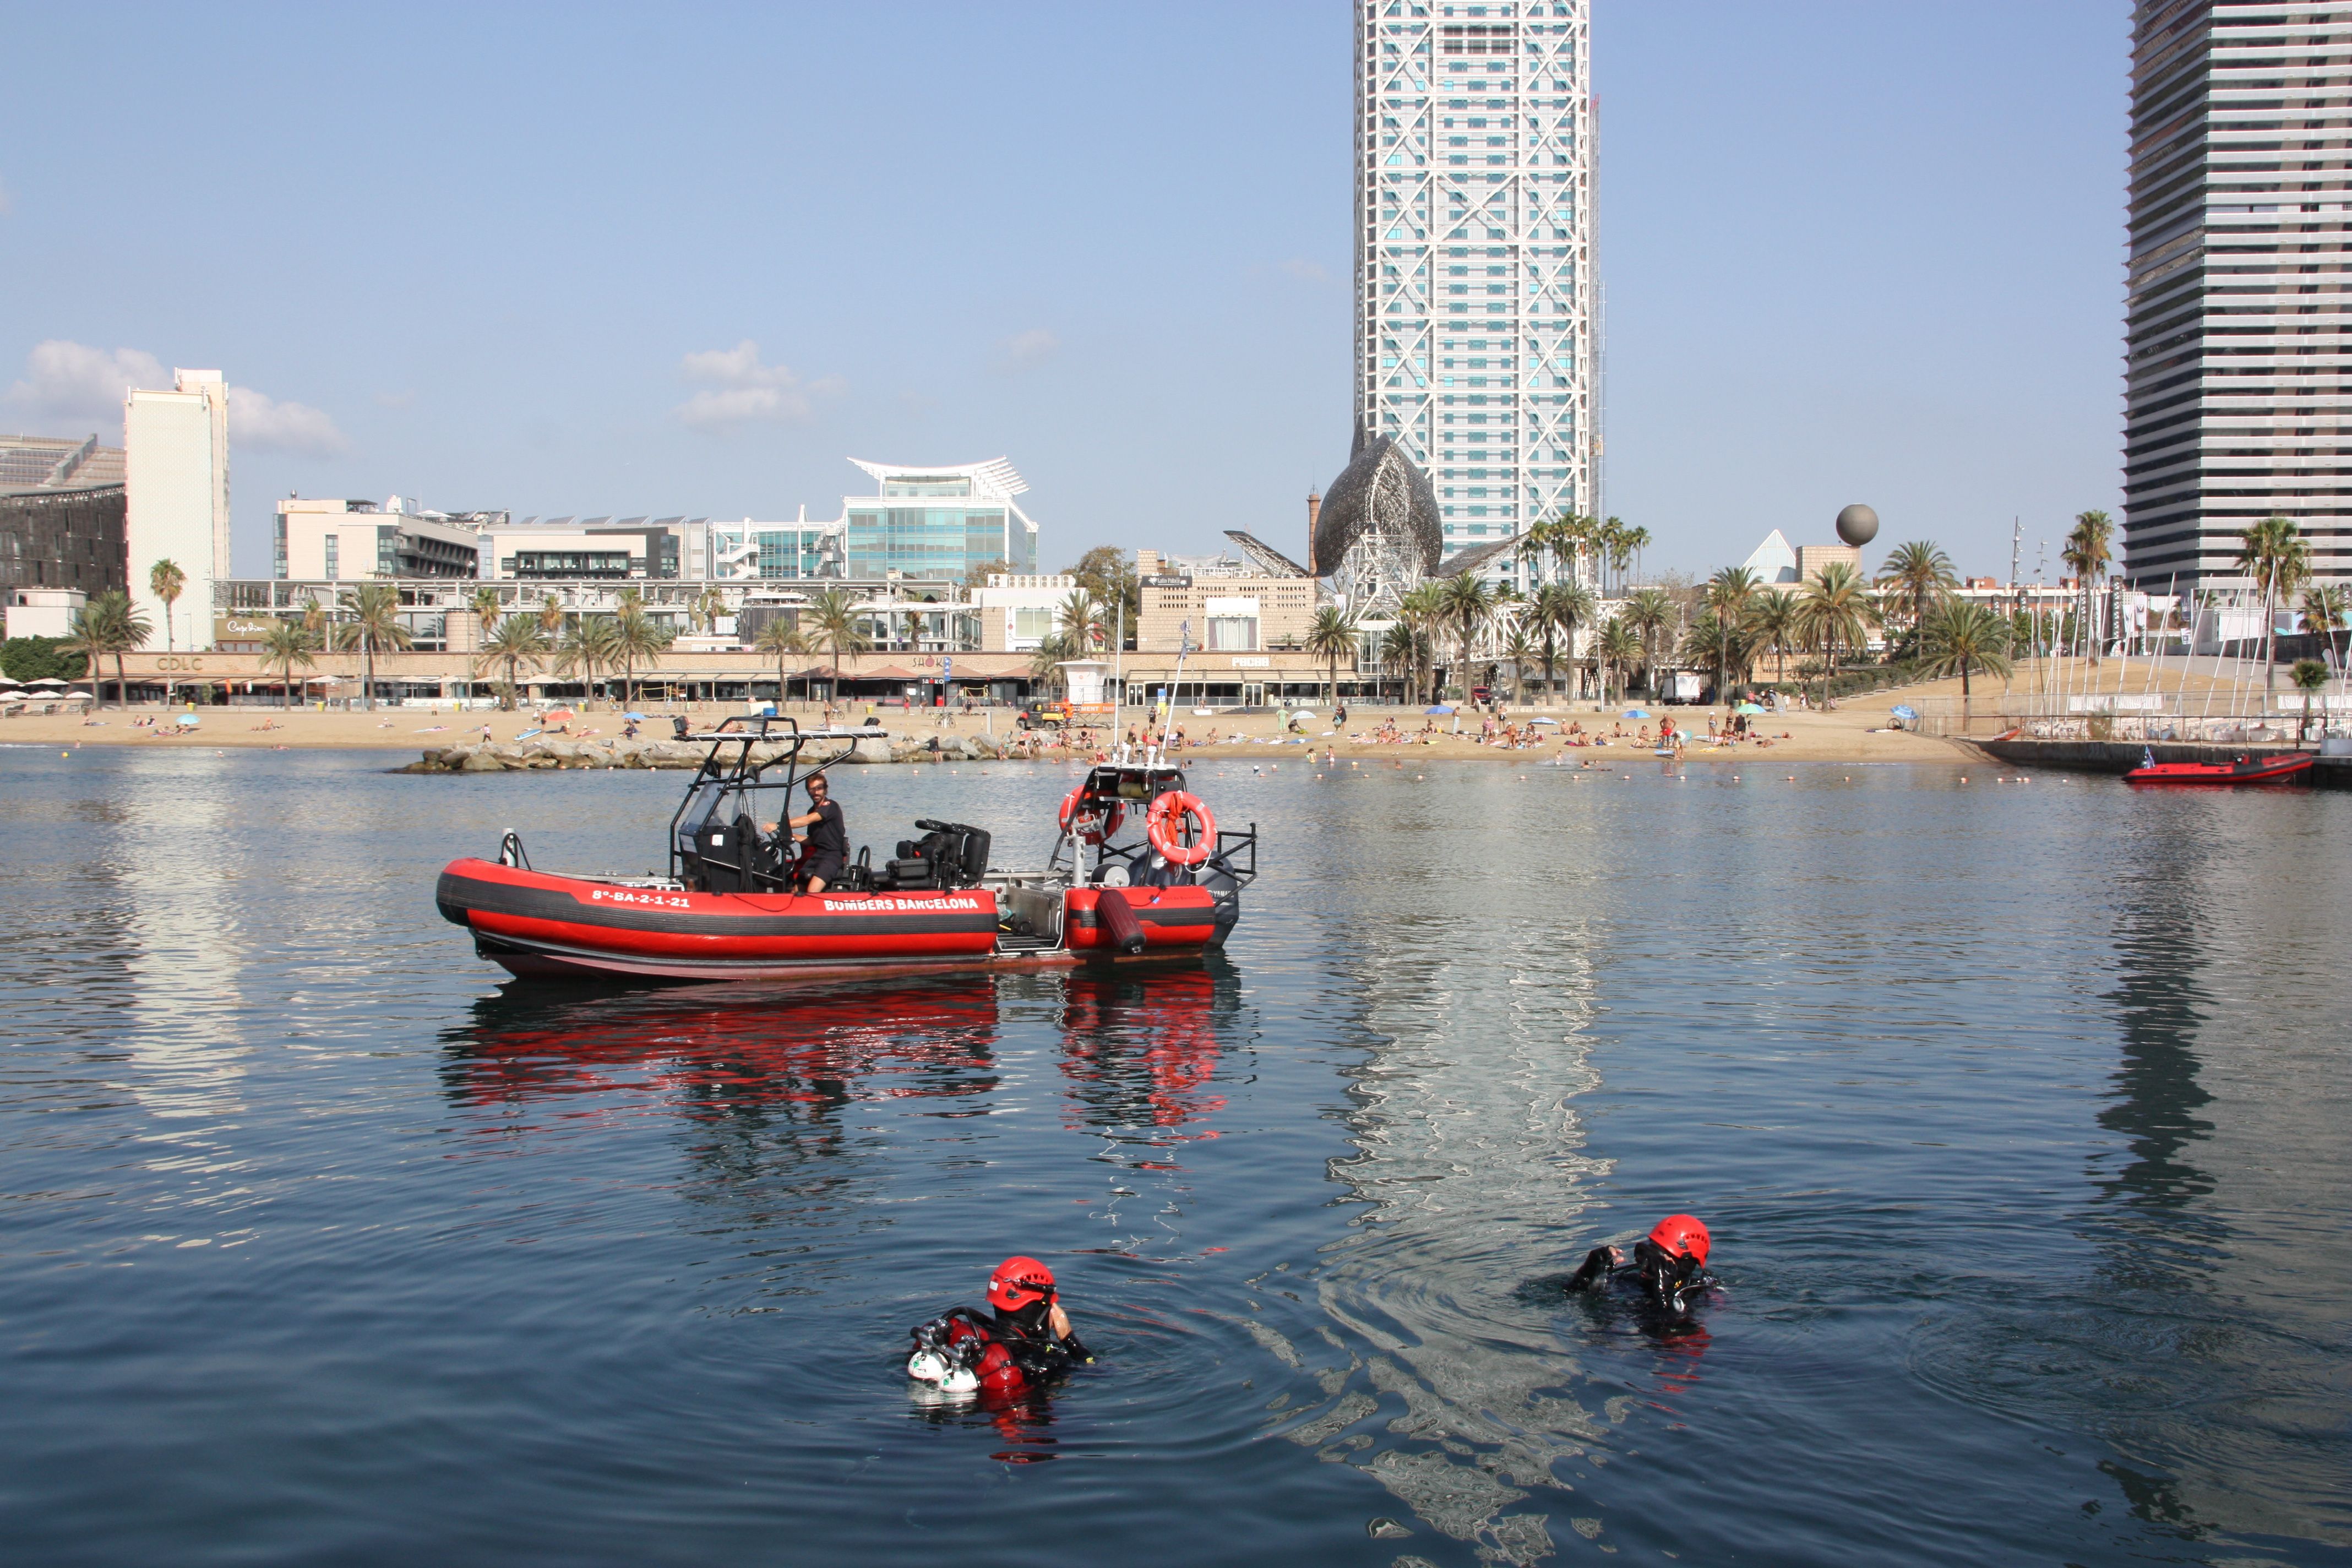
947 1351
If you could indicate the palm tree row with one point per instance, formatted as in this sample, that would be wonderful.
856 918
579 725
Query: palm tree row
1611 543
109 624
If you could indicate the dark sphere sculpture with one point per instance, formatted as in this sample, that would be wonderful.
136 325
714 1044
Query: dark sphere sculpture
1857 524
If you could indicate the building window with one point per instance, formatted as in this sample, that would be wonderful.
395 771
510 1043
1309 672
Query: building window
334 543
1232 634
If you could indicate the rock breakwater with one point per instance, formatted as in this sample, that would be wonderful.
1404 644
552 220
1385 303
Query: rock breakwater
556 753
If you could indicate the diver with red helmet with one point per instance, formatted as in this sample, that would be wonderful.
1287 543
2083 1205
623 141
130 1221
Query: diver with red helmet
1666 1270
1027 1341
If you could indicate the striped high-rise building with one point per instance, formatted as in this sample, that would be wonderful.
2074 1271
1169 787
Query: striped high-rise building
2236 374
1473 255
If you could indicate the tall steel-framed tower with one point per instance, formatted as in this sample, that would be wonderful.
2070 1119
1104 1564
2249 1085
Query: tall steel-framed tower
2236 373
1473 249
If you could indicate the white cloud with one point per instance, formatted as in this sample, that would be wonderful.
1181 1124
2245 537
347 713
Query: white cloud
65 380
1024 351
73 381
737 389
260 421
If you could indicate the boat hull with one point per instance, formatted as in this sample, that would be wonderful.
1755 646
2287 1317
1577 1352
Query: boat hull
2281 770
540 925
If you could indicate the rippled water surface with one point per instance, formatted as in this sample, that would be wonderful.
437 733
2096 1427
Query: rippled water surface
2019 1113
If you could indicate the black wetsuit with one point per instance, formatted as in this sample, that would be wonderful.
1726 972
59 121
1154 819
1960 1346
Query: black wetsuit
1668 1285
828 843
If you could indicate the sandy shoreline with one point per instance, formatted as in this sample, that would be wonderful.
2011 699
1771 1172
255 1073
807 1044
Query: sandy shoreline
1854 732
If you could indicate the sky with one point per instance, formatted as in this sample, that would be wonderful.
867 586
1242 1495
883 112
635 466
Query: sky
689 259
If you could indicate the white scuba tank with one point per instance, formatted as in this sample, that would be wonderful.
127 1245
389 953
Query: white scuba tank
949 1377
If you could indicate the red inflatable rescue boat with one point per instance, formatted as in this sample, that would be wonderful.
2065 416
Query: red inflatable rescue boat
2243 771
734 906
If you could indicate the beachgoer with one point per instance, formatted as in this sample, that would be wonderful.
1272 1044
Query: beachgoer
1026 1341
1665 1270
827 838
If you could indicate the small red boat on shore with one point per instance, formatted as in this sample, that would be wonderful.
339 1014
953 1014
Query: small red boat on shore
2245 770
733 906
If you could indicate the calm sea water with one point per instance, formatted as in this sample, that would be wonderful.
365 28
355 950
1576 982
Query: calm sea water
2019 1113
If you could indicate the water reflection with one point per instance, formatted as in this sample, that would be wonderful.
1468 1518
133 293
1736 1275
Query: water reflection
1139 1051
727 1053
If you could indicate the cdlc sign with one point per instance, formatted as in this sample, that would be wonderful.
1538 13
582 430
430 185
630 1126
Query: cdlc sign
180 661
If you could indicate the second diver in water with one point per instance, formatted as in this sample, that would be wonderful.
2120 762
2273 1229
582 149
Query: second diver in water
1666 1270
1028 1342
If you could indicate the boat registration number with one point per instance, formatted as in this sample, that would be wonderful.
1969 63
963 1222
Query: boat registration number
623 896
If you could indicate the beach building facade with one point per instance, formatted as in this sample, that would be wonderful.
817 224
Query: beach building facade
1225 605
176 466
2236 377
1019 611
1474 295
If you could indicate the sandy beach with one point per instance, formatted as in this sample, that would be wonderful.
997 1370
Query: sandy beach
1854 732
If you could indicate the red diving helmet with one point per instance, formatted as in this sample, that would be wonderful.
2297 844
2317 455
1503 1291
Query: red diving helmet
1680 1236
1019 1281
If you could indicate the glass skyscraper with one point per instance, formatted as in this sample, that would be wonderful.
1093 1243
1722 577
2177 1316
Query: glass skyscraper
1473 255
2236 374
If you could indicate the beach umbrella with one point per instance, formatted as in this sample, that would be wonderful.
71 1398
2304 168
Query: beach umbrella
10 680
554 713
1545 719
1440 708
46 681
1747 708
1637 713
1905 711
635 718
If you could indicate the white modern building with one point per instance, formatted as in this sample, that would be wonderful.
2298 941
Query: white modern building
939 521
176 467
1474 300
1018 611
2237 378
337 541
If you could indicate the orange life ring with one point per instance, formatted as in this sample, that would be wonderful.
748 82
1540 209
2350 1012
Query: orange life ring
1163 825
1094 824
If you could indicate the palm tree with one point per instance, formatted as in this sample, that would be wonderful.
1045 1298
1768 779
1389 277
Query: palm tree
1332 633
1081 620
2308 674
1554 612
834 620
705 608
1959 636
109 624
550 616
781 636
1649 613
486 607
2086 550
285 645
1617 646
635 636
167 582
1422 609
2322 615
591 644
1916 574
1774 618
1519 647
515 642
1727 592
2274 553
374 623
1465 602
1046 659
1630 543
1834 612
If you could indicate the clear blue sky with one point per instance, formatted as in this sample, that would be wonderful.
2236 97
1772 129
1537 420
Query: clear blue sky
511 256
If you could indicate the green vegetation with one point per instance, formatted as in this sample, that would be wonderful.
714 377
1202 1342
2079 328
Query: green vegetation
42 658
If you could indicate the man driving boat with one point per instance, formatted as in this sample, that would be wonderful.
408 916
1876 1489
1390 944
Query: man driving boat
827 838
